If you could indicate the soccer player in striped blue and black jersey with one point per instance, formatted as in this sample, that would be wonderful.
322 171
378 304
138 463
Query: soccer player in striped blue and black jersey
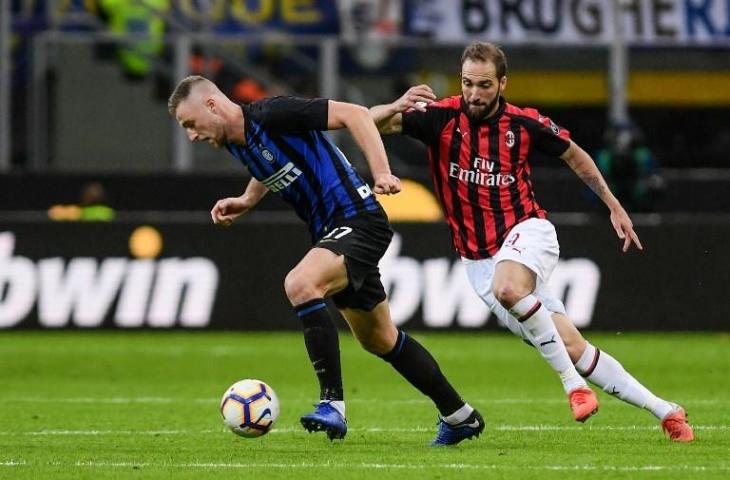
280 141
479 149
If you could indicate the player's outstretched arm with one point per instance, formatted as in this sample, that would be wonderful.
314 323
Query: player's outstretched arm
388 117
584 166
357 120
226 210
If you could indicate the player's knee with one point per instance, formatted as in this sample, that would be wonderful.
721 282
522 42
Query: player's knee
508 294
299 289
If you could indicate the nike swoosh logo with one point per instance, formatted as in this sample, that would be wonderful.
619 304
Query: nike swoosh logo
474 424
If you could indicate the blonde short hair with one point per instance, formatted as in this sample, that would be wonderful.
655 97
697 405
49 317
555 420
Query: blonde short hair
182 91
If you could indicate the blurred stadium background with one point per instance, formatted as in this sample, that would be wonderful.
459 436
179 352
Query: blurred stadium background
104 204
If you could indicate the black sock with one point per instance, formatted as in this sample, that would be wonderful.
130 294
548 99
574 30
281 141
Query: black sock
323 347
417 366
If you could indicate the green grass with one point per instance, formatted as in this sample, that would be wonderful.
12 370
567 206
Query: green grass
145 405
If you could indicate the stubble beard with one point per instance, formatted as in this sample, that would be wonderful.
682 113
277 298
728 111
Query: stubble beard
482 113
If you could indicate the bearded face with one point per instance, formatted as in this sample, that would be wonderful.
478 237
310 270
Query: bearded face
480 88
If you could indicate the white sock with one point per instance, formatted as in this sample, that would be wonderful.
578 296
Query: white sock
603 370
460 415
338 404
541 332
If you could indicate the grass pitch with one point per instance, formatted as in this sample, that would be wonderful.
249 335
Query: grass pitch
145 405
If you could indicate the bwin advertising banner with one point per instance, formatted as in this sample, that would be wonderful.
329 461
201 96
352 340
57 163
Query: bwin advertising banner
125 275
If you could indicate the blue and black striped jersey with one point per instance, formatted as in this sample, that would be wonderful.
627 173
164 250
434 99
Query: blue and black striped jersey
288 152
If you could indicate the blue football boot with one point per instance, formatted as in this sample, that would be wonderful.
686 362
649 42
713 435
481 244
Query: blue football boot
325 418
453 434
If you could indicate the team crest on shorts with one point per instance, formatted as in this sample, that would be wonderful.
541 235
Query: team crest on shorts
510 139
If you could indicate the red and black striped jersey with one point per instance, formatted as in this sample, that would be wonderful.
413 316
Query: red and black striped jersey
481 169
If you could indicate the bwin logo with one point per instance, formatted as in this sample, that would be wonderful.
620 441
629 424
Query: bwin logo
82 291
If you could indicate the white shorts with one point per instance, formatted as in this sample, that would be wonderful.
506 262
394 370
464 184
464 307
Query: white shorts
534 244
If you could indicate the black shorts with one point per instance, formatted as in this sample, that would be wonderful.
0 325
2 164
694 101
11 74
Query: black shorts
363 240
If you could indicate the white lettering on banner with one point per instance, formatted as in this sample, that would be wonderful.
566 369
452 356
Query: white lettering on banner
402 278
134 297
17 281
198 277
82 290
446 294
441 287
576 281
647 22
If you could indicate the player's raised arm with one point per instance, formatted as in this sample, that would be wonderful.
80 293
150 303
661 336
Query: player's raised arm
226 210
583 165
388 117
357 119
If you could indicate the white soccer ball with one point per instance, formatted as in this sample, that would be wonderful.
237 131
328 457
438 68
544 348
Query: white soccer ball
249 408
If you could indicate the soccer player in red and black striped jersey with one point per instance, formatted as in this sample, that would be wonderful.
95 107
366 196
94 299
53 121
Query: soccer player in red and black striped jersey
479 149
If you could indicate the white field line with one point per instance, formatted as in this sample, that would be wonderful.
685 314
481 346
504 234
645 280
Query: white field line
375 466
112 400
600 428
117 432
157 351
211 400
502 428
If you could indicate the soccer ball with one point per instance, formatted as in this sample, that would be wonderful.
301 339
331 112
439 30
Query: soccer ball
249 408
